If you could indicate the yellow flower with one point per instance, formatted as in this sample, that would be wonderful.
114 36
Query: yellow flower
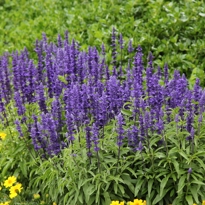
2 135
203 202
17 188
6 203
54 203
0 188
36 196
10 181
12 195
138 202
14 190
117 203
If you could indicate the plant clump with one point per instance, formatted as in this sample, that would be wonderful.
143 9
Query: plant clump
110 131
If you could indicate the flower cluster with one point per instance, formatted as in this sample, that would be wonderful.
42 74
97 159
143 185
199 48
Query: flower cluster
117 203
5 203
84 91
14 187
138 202
135 202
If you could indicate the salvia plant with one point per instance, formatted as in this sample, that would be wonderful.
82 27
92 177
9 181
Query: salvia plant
103 132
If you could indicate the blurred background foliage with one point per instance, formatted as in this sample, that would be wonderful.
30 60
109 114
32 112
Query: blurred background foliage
172 30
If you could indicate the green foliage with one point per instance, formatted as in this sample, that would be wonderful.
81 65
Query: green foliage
173 31
162 170
82 180
15 153
158 174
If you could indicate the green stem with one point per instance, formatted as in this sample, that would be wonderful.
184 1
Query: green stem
118 158
99 167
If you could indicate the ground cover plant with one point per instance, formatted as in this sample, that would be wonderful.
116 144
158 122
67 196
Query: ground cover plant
172 30
76 126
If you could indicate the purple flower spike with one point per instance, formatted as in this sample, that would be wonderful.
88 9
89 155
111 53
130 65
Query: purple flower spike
66 37
130 48
103 49
121 42
202 102
19 104
59 41
132 136
88 140
160 126
41 98
140 147
18 127
95 138
142 127
120 130
197 94
192 133
191 136
166 74
176 119
1 104
114 51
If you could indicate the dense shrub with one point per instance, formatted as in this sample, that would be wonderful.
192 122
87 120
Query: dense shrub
101 131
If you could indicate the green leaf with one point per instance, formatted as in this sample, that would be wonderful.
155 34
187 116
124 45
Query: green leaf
62 79
150 183
174 150
81 198
127 180
197 182
115 188
98 192
176 166
66 197
183 154
107 198
88 190
126 112
181 183
194 193
6 167
121 187
172 192
189 199
202 14
76 196
163 184
160 155
127 103
159 198
154 140
23 167
138 186
200 162
200 153
98 34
